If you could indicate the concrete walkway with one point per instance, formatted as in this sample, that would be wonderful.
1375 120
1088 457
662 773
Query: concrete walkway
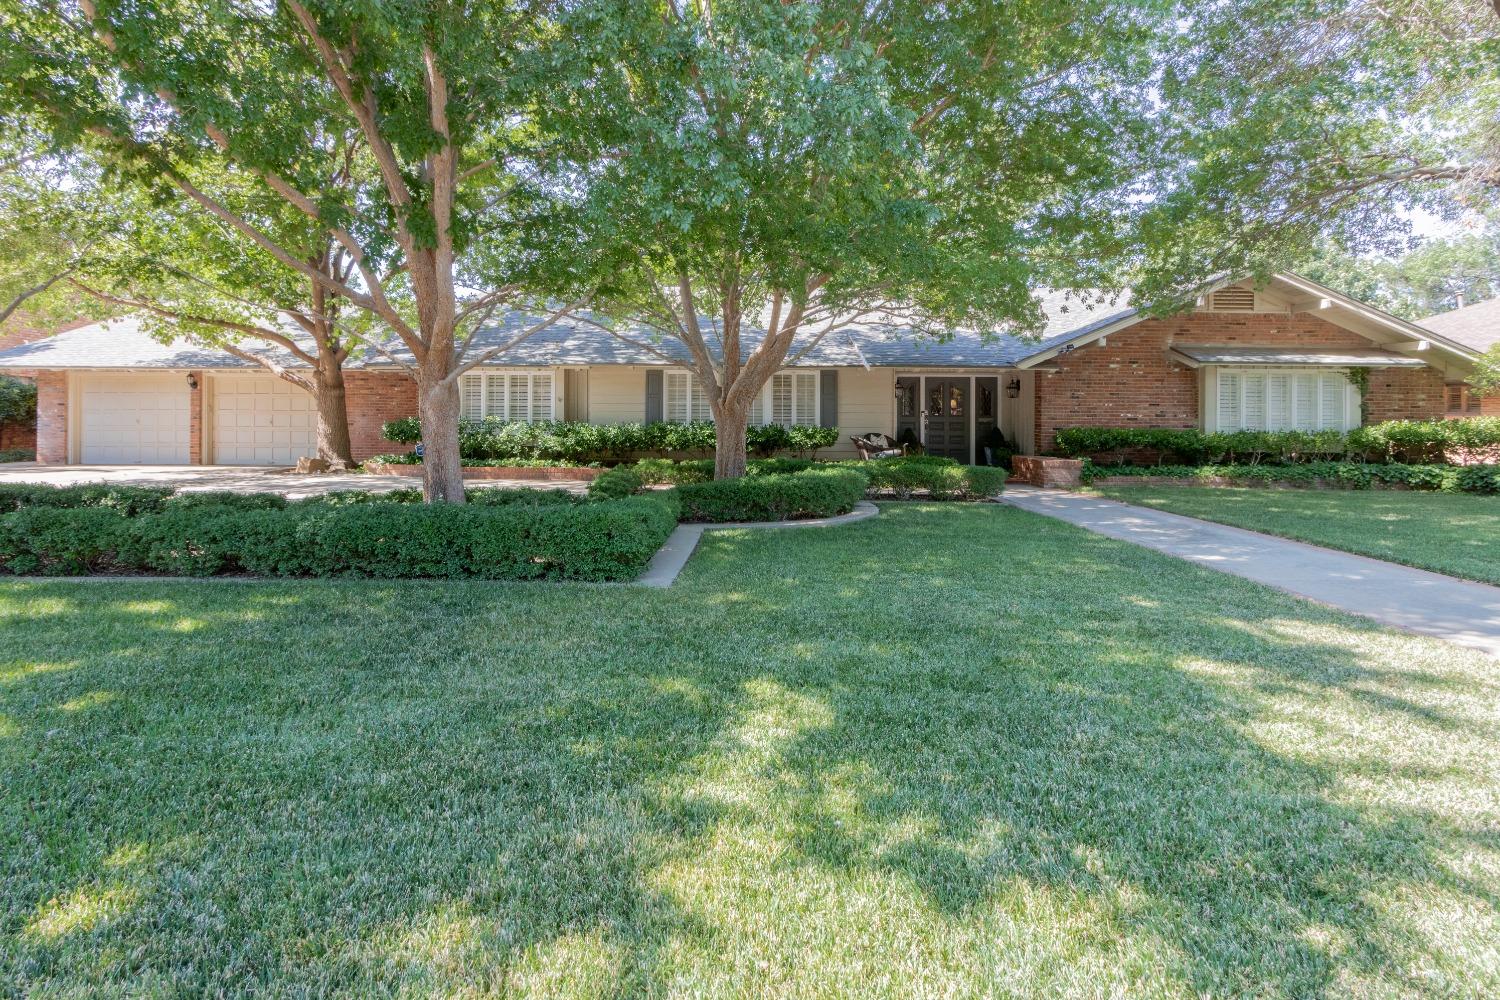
673 555
1429 603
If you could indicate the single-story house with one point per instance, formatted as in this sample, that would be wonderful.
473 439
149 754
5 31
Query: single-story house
1272 356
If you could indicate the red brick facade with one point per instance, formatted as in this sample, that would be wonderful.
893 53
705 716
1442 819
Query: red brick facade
15 437
372 399
1131 382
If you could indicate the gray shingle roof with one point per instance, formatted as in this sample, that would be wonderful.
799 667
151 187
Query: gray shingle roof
1476 326
577 341
124 343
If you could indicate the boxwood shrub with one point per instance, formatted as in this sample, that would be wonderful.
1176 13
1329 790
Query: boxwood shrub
128 500
550 537
821 492
939 478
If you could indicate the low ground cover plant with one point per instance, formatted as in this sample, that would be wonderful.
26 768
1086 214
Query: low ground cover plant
577 441
17 455
1349 475
1467 441
502 534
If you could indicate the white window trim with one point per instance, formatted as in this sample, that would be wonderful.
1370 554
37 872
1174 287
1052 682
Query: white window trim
1211 403
482 378
762 399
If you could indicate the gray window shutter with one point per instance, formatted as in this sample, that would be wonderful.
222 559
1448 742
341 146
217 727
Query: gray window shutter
828 403
653 397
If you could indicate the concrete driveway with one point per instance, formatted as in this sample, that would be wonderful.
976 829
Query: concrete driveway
238 479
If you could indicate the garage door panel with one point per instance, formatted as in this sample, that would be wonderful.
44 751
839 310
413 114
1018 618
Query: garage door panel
134 420
262 420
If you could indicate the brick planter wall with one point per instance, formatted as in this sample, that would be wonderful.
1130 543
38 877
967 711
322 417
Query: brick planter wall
545 474
1052 472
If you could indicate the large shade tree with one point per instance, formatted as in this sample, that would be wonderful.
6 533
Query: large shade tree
757 174
428 233
1300 122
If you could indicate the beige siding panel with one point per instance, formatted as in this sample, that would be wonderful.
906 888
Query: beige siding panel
617 394
866 404
1018 416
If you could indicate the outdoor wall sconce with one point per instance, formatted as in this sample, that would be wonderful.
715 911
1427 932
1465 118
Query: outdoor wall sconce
1013 388
192 381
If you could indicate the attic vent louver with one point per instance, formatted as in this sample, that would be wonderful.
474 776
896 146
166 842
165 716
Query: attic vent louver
1232 300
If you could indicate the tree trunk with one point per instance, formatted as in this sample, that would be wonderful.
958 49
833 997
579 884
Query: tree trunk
437 408
334 446
730 422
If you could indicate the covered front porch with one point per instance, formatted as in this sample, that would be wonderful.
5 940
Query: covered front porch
955 414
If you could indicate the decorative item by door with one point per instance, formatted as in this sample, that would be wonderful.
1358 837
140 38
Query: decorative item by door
946 410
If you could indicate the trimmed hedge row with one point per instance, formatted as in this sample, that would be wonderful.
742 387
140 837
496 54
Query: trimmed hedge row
579 441
17 455
822 492
1406 441
1350 475
411 458
508 535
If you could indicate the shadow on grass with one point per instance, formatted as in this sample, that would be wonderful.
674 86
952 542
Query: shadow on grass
946 746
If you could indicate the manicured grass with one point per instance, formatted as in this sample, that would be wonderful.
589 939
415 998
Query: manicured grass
956 751
1451 533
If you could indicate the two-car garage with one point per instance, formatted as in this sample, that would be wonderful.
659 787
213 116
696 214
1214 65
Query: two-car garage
147 419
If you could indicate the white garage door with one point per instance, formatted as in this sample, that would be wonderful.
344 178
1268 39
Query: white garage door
261 420
134 420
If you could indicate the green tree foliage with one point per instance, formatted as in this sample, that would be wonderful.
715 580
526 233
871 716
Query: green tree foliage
757 165
1297 120
1435 277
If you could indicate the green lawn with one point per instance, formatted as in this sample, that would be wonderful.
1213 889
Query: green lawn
957 751
1457 534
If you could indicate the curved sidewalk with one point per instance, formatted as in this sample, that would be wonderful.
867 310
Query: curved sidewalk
1459 611
674 554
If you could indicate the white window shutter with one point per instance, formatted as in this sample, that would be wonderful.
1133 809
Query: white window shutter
518 397
471 396
1254 416
1331 402
676 406
701 409
1278 402
807 398
541 396
758 409
781 400
1305 401
1229 401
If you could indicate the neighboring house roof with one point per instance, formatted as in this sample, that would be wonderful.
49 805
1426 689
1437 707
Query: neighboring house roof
124 343
1340 358
1476 326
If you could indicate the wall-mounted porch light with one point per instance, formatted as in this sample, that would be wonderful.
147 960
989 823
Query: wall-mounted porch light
192 381
1013 388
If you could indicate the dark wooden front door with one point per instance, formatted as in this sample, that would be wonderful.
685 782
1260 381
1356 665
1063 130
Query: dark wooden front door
946 406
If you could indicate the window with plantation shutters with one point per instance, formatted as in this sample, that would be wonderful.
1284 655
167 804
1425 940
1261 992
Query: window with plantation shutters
790 399
521 396
1276 401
